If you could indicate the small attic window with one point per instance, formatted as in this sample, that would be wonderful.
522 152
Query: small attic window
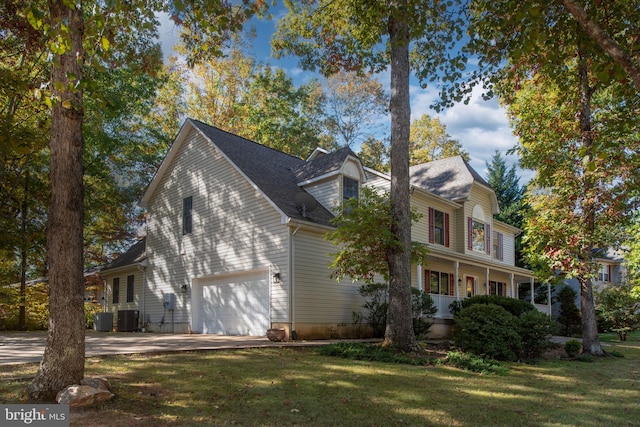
350 188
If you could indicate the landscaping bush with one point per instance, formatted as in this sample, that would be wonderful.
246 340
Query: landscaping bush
422 309
572 348
514 306
569 317
535 330
376 306
488 331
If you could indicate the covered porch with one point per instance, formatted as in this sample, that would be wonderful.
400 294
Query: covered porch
454 277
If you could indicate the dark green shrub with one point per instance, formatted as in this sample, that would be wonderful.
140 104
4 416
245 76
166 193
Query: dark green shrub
455 307
514 306
422 311
376 306
535 330
572 348
422 308
488 331
569 317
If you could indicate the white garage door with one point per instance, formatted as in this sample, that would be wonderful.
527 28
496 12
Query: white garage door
235 305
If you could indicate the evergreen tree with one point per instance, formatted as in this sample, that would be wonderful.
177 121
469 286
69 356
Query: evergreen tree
506 184
569 317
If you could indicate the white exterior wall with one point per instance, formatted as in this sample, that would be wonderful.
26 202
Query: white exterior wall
234 230
319 298
138 283
378 182
420 230
327 192
508 246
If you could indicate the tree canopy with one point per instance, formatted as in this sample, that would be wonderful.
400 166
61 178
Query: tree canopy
573 113
429 141
83 39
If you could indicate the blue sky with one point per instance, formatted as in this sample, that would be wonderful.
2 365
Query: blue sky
480 126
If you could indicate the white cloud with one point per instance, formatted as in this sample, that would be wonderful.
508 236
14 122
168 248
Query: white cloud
482 127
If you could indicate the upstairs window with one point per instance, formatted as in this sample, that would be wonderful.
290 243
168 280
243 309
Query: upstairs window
498 246
350 188
438 227
478 236
116 291
187 215
604 273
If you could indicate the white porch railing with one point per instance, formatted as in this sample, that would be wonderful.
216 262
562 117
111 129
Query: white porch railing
542 308
442 302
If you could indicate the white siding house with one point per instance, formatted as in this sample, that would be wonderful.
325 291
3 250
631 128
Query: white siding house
236 240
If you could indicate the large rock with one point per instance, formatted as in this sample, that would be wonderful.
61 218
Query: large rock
90 392
96 382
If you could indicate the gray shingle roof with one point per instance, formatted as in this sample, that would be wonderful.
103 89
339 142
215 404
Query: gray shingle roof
323 165
450 178
134 254
272 171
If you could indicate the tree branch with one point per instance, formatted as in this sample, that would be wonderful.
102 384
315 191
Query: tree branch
611 48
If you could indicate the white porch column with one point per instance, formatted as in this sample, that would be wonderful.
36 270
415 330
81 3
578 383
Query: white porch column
511 287
486 281
420 286
456 279
533 300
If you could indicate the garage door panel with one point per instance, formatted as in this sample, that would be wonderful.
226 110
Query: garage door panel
235 306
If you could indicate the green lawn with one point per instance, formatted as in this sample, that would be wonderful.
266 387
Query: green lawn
276 387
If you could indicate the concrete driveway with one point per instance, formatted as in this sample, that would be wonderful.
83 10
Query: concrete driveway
27 347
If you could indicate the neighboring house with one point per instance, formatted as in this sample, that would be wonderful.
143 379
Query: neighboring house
611 270
236 240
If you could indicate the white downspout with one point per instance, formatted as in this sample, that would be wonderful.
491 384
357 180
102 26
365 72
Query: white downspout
142 266
420 286
292 304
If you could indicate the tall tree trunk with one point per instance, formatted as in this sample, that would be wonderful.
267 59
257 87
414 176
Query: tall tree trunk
63 360
24 213
399 332
590 342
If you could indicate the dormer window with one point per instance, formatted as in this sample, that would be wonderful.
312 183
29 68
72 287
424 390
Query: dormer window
350 188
